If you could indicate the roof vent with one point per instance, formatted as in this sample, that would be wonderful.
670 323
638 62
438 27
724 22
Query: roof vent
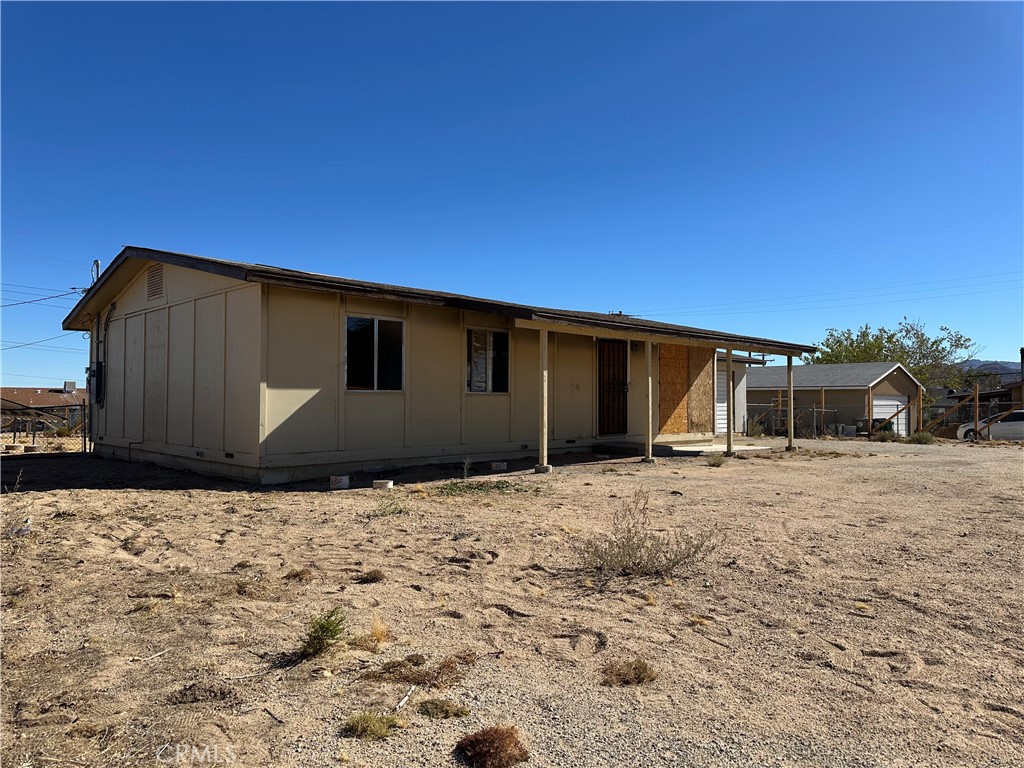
155 282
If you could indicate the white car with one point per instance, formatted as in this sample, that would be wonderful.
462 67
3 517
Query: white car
1011 427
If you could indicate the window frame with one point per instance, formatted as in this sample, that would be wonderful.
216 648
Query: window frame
376 353
489 371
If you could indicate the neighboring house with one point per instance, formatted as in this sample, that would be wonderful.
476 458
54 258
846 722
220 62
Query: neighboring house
273 374
837 395
54 407
1016 389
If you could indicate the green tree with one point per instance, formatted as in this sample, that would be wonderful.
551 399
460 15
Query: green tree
934 361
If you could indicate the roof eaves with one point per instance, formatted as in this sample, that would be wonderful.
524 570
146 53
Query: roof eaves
260 273
894 367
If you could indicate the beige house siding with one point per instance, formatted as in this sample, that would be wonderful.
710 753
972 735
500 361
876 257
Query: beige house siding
170 361
249 379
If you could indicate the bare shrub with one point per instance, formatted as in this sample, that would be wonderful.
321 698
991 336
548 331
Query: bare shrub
921 438
633 548
716 460
498 746
620 673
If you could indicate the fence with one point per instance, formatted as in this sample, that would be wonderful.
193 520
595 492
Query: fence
45 429
852 421
835 421
943 421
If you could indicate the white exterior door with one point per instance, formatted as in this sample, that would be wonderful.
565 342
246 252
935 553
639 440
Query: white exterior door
720 404
739 414
884 406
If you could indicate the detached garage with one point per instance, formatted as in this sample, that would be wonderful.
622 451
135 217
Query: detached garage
837 399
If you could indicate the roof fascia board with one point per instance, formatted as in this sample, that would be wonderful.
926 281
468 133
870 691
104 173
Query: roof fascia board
895 366
597 328
540 318
107 279
806 387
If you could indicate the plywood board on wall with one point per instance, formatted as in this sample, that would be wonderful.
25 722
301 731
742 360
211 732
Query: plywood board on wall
674 383
701 397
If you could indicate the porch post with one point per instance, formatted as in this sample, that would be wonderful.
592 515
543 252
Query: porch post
789 393
871 412
977 416
649 441
542 445
920 409
730 404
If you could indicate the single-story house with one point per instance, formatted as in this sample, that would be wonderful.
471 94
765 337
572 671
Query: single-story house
275 375
828 397
49 406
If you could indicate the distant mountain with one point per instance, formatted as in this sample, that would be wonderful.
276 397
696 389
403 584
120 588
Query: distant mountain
1001 367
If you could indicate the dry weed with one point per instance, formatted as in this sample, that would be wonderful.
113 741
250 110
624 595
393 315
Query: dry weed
370 725
301 575
620 673
633 548
498 746
412 670
374 576
440 709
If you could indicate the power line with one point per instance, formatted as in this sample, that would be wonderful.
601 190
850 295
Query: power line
36 287
44 298
30 376
48 346
33 343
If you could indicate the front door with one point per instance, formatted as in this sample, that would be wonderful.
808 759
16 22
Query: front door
612 386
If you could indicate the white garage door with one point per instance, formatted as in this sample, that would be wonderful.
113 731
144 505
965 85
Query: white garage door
882 407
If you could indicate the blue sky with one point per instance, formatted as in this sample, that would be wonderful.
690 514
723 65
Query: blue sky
772 169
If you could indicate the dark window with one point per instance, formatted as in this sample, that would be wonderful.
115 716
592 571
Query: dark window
389 354
486 361
1015 416
373 354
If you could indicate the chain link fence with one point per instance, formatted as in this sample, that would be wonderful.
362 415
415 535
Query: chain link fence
45 429
809 423
852 421
944 421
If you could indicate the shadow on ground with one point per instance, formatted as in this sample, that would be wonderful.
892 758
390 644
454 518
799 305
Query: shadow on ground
49 472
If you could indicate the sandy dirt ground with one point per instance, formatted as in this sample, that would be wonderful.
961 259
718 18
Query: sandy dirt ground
863 609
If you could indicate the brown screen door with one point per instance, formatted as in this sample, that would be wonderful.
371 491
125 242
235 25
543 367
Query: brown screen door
613 385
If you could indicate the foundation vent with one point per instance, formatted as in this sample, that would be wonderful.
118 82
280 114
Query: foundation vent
155 282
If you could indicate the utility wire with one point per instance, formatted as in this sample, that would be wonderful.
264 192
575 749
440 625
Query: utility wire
44 298
33 343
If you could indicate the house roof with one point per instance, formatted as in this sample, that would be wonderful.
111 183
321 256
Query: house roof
827 375
742 359
133 259
40 397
